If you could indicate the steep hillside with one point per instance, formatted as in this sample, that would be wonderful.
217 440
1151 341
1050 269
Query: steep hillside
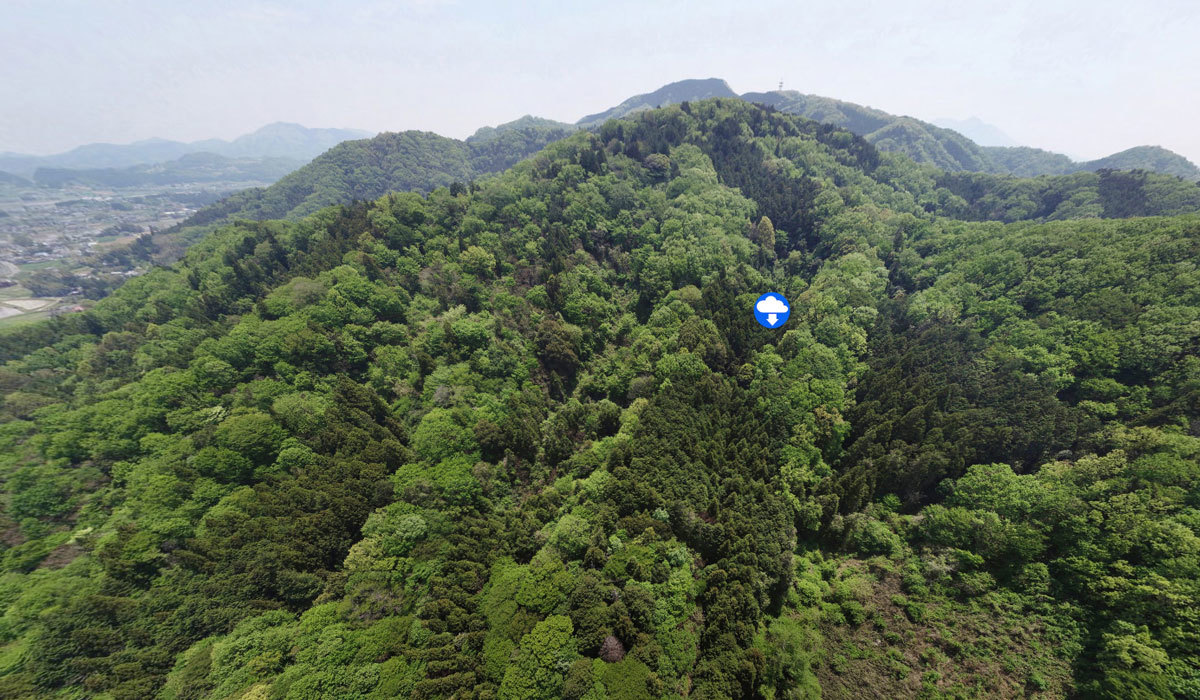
526 440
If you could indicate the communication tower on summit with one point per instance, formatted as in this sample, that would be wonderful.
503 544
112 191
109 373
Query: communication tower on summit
781 86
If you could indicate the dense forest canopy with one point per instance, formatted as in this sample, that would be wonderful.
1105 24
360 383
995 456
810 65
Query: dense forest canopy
522 438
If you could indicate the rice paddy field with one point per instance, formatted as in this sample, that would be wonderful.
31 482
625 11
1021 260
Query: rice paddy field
17 306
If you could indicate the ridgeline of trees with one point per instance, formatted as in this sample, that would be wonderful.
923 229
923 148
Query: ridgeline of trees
366 169
522 438
951 151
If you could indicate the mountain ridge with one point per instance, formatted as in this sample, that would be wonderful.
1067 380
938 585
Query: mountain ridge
275 140
951 150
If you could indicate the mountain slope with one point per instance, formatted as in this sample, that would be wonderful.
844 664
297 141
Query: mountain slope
526 440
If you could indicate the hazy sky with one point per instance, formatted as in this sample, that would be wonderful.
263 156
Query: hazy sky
1084 78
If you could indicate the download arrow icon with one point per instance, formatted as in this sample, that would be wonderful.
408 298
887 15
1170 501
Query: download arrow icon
771 310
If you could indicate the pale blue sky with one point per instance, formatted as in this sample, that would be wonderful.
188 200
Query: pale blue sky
1085 78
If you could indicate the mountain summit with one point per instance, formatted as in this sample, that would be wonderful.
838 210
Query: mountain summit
672 93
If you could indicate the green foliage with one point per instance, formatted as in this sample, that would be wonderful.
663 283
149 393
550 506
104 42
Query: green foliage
537 671
440 435
522 438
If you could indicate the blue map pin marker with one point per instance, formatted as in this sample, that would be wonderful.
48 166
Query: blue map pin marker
772 310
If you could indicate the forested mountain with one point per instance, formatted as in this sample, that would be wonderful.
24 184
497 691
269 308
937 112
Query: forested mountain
950 150
279 140
524 439
921 141
528 124
409 161
1034 161
1029 162
1153 158
1112 194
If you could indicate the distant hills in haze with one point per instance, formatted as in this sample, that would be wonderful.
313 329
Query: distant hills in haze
10 179
202 167
674 93
969 145
278 140
978 131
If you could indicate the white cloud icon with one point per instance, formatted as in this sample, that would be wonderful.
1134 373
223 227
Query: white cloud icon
771 305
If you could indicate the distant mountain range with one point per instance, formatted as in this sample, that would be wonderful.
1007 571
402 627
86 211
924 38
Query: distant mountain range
191 168
978 131
422 161
279 140
407 162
